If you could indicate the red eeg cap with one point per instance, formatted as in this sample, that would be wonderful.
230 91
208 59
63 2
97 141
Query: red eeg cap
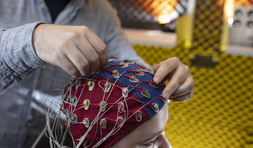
111 104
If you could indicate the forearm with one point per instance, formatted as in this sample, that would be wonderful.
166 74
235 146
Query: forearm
17 56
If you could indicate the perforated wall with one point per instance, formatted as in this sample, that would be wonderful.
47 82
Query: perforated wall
143 14
220 113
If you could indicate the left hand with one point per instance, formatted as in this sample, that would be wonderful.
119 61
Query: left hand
180 83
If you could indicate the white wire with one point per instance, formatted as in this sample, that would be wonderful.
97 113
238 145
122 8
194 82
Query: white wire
53 136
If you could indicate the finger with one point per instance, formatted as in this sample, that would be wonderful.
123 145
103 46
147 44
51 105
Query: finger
181 98
155 67
66 64
98 45
177 79
186 87
91 56
164 69
79 61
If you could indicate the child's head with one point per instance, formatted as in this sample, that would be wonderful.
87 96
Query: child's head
119 106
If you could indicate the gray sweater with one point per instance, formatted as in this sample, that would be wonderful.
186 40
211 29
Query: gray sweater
24 78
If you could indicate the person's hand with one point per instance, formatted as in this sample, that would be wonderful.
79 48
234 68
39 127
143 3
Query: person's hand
180 83
76 49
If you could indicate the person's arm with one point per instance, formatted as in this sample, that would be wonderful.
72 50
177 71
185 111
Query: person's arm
17 56
76 49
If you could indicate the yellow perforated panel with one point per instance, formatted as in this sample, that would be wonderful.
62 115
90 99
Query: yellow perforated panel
207 26
220 113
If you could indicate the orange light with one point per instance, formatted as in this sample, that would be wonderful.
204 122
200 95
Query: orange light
163 19
229 8
245 3
158 8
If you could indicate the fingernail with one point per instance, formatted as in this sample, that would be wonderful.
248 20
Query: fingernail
156 79
166 95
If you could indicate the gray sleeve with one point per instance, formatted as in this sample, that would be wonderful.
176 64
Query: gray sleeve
117 42
17 55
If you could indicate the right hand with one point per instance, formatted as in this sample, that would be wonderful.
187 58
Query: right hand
76 49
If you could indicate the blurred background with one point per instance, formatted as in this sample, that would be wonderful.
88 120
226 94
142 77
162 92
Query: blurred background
214 38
